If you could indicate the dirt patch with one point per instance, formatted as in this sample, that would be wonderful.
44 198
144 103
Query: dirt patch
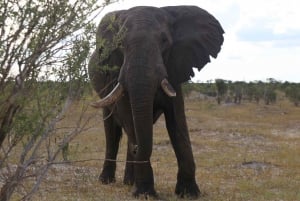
256 165
289 132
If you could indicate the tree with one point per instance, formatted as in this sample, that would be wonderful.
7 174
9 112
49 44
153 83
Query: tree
44 46
255 90
269 91
292 91
236 90
221 89
239 92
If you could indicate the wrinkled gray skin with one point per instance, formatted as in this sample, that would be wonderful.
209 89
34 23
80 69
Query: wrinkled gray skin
138 48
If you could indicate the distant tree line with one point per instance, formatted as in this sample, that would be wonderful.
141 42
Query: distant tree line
238 91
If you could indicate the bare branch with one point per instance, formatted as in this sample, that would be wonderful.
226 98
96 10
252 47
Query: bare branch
43 50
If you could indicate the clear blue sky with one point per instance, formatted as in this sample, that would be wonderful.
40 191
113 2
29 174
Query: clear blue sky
262 38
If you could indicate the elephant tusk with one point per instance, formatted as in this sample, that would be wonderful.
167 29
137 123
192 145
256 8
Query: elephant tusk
167 88
111 98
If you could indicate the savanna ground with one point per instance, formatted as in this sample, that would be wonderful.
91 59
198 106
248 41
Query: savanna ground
242 152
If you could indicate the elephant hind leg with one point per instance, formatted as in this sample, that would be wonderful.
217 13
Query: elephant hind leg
113 133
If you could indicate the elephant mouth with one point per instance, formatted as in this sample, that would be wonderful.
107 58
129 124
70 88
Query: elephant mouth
117 93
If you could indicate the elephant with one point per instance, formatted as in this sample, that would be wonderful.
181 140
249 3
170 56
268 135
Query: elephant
142 57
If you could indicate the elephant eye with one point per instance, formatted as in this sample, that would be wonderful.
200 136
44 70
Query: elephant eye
164 40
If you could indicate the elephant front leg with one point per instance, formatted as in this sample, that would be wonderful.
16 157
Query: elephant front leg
113 133
144 180
178 132
129 169
143 173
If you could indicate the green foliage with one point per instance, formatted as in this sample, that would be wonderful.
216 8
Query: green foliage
109 26
221 86
270 95
221 89
188 87
28 123
44 49
208 88
292 91
252 91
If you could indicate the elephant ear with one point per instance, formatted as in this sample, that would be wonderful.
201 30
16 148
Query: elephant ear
196 35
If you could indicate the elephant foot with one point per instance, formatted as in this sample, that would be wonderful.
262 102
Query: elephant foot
187 189
107 175
107 178
129 175
145 190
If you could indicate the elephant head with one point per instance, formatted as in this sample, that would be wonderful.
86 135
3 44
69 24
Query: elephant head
160 44
152 51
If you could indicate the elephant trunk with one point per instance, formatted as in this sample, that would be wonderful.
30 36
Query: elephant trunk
141 100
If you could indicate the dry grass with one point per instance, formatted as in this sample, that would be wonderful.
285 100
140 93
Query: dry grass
243 152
